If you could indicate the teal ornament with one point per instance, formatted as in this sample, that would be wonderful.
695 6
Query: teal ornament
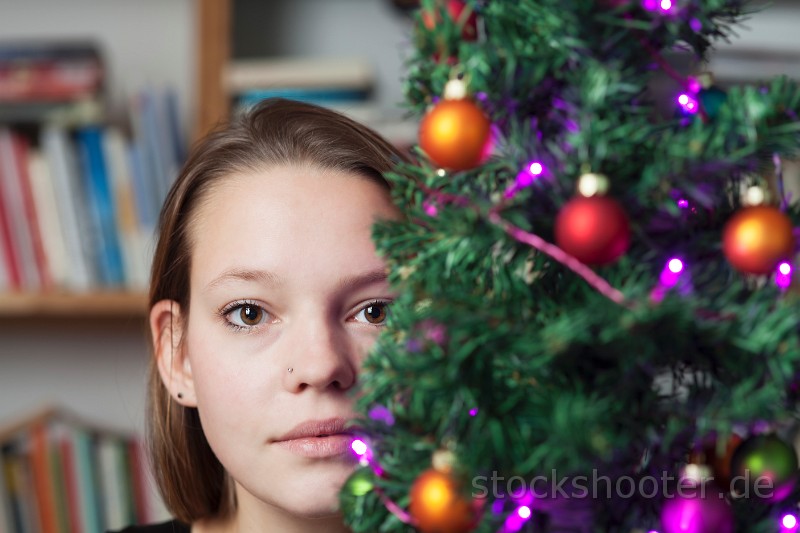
712 99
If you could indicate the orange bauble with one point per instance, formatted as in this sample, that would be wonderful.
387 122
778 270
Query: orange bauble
757 238
456 134
438 506
594 230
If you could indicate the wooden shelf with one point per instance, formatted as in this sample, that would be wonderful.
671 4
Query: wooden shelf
73 305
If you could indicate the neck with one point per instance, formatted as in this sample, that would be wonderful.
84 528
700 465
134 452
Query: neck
255 516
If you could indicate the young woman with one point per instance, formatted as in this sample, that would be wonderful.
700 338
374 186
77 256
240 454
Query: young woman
266 294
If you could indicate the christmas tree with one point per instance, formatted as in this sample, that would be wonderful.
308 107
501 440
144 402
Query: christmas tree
596 328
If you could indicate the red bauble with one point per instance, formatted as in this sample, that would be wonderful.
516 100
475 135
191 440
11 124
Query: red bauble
469 31
594 230
456 134
719 461
438 506
757 238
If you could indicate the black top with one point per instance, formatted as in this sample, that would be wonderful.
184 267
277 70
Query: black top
172 526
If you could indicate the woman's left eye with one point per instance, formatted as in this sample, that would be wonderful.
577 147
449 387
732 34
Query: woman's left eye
374 313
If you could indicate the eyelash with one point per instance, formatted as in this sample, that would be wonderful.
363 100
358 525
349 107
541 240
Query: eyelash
225 311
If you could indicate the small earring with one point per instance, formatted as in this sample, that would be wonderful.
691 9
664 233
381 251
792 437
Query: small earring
180 395
291 370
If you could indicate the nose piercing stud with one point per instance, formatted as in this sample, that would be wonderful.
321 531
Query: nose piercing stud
291 370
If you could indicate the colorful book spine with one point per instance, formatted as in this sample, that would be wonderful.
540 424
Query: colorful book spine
16 217
59 152
79 207
104 228
20 152
51 230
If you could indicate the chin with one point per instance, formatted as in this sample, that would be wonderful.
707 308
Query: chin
318 495
313 505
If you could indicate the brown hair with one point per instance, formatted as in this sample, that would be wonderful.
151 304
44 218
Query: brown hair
190 478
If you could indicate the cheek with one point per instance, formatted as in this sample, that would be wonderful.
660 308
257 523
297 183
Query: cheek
225 379
364 343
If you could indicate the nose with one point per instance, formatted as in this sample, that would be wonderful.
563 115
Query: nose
321 357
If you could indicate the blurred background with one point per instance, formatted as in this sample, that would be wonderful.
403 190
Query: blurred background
99 101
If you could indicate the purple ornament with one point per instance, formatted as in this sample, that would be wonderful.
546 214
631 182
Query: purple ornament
381 413
701 509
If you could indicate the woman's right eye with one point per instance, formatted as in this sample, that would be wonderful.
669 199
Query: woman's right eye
246 316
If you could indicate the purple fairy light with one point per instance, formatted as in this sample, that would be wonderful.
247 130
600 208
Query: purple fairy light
359 447
382 414
434 331
670 276
524 512
683 203
413 345
675 265
665 5
688 103
789 522
671 272
473 411
533 170
525 178
696 25
783 275
430 208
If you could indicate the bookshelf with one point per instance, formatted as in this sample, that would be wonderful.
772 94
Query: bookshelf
72 306
218 35
64 474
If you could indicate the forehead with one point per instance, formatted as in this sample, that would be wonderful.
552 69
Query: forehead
290 220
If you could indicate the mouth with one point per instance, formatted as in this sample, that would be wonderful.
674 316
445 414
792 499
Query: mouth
319 446
318 438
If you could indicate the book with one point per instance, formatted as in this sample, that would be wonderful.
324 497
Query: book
59 153
21 246
43 481
108 256
20 152
89 499
49 72
20 482
137 475
112 484
46 203
9 269
69 488
63 474
130 234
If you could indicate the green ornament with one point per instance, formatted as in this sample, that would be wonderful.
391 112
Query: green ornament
360 482
765 467
712 99
351 497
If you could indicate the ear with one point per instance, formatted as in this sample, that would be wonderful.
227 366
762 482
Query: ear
167 329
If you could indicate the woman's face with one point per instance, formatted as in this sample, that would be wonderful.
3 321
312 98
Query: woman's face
284 276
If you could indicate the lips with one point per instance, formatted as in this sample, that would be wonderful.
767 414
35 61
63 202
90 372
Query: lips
318 438
316 428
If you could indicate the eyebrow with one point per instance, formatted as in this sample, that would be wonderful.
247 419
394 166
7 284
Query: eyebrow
266 277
